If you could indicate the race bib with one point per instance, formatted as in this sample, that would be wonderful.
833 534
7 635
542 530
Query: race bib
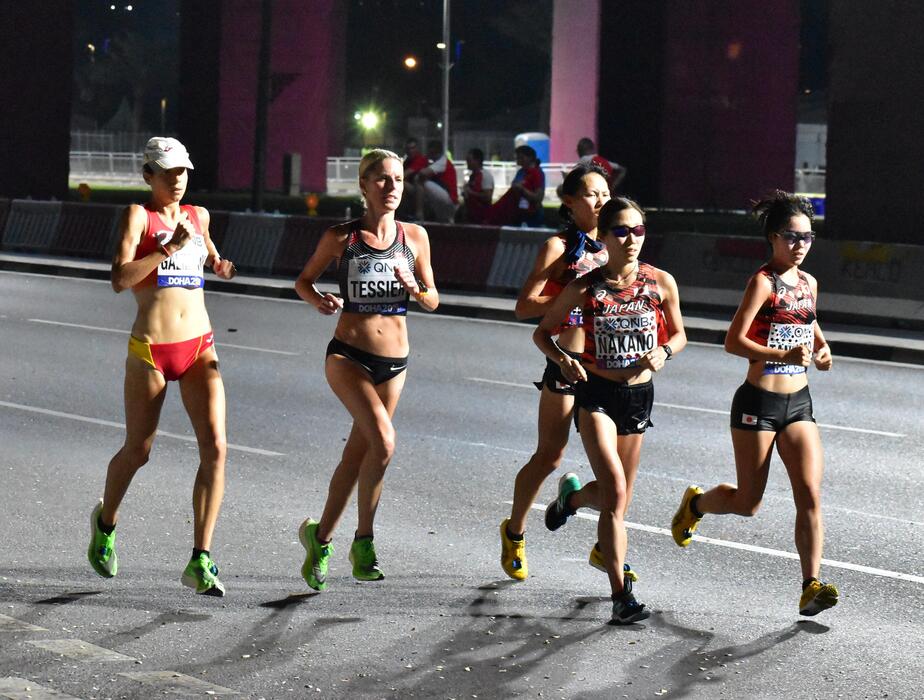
621 340
784 336
373 288
184 267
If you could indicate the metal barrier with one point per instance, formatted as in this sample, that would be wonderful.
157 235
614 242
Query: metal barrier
343 173
106 168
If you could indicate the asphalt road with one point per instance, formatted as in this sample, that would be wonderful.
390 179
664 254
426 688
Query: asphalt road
445 622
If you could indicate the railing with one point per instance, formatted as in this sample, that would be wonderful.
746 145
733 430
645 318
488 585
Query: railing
342 175
106 168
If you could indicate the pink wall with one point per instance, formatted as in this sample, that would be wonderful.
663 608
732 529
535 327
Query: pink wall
575 72
730 98
306 70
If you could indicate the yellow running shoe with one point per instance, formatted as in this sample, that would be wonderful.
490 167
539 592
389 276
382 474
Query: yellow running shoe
513 554
684 523
817 596
596 560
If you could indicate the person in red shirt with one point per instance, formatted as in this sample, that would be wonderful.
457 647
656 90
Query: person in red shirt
587 154
437 189
478 192
522 203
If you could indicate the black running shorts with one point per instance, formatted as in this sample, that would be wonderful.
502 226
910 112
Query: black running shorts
629 405
380 369
758 409
553 379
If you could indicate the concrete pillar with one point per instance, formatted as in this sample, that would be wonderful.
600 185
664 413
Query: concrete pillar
875 176
698 98
36 44
575 72
306 75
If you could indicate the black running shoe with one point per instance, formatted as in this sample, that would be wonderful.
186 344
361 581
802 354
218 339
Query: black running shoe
626 610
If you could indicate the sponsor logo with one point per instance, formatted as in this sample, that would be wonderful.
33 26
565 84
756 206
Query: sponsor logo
641 425
398 368
364 266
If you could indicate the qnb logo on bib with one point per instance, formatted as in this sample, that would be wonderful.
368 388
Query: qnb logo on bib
784 336
184 267
621 340
373 287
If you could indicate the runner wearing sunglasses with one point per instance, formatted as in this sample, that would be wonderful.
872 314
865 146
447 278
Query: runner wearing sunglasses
776 330
632 327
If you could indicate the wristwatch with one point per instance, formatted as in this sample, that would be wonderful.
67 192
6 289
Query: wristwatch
422 289
667 351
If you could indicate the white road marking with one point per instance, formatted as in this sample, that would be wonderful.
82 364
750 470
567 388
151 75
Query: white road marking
22 689
80 650
121 426
175 683
220 343
700 409
759 550
11 624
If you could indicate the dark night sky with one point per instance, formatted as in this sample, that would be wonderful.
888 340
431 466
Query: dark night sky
501 52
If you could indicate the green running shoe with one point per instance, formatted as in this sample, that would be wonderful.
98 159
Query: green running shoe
101 551
365 564
201 573
317 555
558 511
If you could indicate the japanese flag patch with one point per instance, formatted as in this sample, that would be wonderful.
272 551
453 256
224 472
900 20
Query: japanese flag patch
748 419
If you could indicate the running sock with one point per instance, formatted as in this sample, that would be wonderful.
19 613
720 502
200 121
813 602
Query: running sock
807 582
625 594
107 529
357 538
693 508
514 537
197 552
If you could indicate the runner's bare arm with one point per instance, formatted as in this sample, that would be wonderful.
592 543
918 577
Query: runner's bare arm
572 295
126 272
220 266
756 295
823 358
429 299
531 303
330 247
677 336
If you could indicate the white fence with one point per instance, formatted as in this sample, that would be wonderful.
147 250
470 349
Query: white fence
342 174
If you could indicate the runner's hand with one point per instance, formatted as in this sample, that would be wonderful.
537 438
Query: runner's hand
224 269
823 359
404 276
653 360
183 232
799 355
572 370
330 304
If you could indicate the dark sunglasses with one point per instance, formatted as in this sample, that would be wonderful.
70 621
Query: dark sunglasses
623 231
791 237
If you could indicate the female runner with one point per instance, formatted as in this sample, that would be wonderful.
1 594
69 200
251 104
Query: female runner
776 330
160 257
632 326
380 263
573 252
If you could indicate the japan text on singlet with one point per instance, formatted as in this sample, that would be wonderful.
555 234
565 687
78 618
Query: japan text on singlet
787 319
621 325
185 267
367 275
589 260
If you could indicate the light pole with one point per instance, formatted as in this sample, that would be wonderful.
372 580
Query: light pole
446 67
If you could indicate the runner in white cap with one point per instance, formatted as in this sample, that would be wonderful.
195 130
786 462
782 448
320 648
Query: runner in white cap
163 247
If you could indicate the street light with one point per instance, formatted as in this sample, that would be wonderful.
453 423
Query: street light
410 62
369 120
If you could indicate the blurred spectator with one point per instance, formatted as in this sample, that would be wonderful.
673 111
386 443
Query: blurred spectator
436 188
414 162
522 203
478 192
587 154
